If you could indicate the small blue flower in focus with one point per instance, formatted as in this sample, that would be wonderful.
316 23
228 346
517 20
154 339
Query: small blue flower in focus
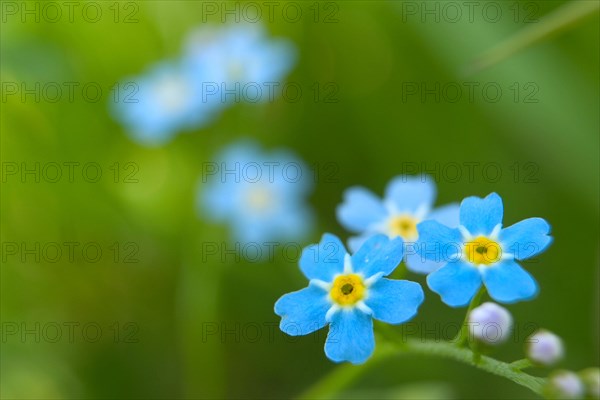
155 106
260 195
481 251
347 292
243 62
407 201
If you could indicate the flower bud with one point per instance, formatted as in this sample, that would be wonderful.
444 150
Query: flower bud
591 380
544 347
490 323
564 385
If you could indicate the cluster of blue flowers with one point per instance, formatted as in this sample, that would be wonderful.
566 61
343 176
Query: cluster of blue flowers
262 195
461 248
188 93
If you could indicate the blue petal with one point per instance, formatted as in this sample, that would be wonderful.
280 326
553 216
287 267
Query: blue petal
302 312
456 283
360 209
216 201
264 59
356 242
409 193
145 116
438 242
295 222
447 215
291 223
415 262
394 301
277 58
324 260
350 337
526 238
234 157
251 232
378 254
480 216
507 282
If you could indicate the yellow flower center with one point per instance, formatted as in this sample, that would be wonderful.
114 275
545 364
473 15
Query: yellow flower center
347 289
404 226
482 250
173 93
259 198
236 70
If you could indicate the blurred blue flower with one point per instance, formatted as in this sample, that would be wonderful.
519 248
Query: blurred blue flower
242 61
261 196
163 101
220 66
347 292
407 201
481 251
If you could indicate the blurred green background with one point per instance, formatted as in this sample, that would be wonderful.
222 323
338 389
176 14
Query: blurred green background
158 316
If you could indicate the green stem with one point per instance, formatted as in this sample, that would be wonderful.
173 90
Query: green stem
485 363
463 335
341 377
521 364
562 18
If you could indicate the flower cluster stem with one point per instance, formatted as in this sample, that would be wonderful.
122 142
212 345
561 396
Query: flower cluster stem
341 377
521 364
464 355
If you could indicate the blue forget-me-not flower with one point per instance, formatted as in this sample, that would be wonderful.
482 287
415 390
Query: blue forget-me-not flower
242 61
347 292
165 100
407 201
219 65
480 252
260 195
